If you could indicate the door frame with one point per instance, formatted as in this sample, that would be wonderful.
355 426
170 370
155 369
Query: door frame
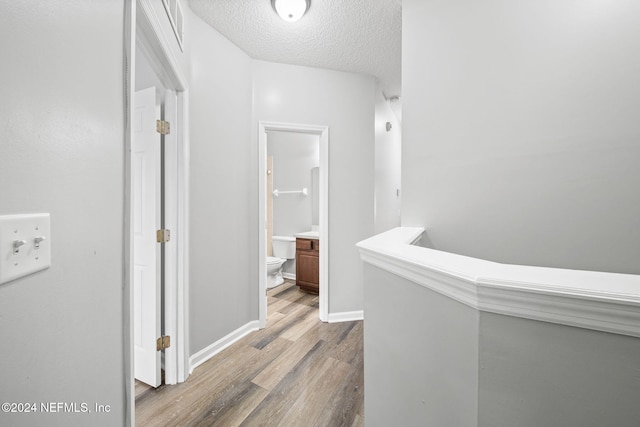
323 133
143 30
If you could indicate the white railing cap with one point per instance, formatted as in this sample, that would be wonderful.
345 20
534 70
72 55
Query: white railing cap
589 299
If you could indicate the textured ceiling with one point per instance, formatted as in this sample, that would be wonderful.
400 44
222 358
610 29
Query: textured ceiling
361 36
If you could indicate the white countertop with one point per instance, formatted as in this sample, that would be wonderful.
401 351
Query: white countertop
309 235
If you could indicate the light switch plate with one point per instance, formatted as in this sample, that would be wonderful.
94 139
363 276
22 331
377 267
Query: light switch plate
25 245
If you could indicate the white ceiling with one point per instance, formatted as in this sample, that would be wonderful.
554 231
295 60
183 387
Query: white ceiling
361 36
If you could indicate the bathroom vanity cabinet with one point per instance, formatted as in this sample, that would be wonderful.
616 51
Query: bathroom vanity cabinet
308 264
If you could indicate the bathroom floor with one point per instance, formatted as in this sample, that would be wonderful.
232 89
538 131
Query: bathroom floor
297 371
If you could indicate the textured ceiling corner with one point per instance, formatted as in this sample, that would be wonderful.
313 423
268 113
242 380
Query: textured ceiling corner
360 36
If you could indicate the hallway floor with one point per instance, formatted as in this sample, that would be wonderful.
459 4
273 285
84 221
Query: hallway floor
297 371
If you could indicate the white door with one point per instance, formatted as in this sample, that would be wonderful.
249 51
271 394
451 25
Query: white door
145 159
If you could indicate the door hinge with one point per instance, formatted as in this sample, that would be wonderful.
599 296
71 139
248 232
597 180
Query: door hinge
163 236
163 127
163 342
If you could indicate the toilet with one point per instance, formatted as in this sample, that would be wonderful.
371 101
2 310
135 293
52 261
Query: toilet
284 248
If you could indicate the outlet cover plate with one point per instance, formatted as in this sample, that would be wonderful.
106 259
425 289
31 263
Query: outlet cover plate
31 256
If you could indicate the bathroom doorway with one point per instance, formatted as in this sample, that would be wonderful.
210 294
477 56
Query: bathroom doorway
310 200
292 199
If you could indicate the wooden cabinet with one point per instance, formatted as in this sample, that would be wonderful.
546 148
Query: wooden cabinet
308 264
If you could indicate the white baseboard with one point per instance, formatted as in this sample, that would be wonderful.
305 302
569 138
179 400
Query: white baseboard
290 276
346 316
208 352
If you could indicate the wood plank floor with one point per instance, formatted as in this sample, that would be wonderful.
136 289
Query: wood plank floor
297 371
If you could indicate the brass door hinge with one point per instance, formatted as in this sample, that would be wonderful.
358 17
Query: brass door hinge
163 342
163 236
163 127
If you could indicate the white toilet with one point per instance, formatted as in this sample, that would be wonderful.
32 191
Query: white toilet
284 248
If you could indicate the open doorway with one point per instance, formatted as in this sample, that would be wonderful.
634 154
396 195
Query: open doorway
150 50
321 134
154 109
153 67
293 161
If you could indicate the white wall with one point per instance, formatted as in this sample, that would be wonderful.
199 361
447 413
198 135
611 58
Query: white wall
223 288
421 351
62 151
521 138
541 374
433 361
387 166
344 102
294 154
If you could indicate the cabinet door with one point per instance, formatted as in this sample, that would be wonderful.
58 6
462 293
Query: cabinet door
307 270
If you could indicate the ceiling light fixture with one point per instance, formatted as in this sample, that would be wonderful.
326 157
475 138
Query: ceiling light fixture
291 10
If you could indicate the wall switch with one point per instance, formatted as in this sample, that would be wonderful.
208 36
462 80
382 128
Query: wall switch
25 245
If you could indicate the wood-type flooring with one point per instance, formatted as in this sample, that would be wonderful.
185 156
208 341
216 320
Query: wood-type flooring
296 372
